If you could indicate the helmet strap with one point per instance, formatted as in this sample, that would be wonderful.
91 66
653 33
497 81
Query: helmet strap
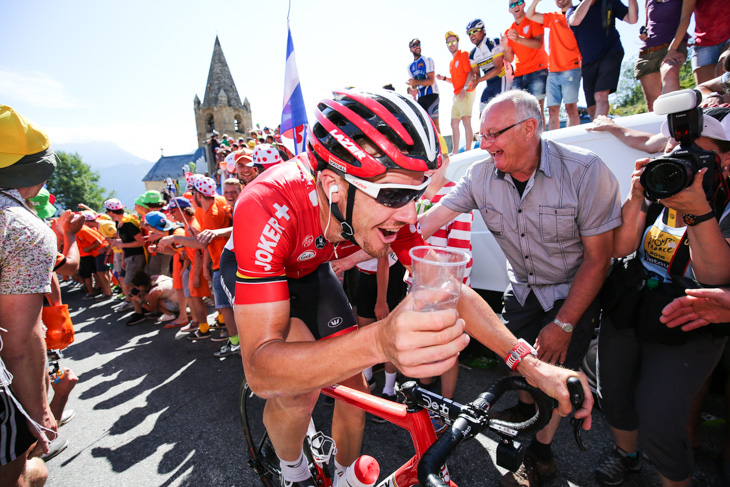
348 233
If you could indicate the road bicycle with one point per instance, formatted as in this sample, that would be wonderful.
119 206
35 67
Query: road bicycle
427 467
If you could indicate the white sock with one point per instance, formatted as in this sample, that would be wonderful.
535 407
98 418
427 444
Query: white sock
295 471
368 374
339 472
389 387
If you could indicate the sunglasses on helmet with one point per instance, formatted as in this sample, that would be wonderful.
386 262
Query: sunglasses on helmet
389 194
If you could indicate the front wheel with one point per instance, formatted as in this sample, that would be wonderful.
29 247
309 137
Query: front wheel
262 457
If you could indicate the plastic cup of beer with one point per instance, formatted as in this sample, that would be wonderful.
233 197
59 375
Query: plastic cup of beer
437 276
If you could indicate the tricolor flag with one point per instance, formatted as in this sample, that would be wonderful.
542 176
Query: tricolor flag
293 116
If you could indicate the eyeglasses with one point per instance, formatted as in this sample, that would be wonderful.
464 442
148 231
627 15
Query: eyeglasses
415 44
515 4
390 195
451 43
473 31
492 137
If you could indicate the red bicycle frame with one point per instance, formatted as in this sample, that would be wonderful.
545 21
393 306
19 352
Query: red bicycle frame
418 424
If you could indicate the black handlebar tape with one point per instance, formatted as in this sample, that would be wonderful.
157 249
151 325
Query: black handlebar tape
545 405
429 467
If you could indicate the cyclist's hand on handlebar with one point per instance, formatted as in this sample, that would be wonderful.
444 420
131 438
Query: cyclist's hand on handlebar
553 380
421 344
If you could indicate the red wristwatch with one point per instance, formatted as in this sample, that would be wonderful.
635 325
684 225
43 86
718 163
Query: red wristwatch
520 351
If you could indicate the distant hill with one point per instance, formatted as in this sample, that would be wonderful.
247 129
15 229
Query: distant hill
118 169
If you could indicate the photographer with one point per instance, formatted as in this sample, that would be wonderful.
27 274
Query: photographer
643 365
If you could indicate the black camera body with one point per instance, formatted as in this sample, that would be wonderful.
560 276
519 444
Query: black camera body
667 175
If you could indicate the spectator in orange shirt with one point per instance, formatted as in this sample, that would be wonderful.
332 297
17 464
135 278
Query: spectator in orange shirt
523 44
214 216
461 76
564 63
92 249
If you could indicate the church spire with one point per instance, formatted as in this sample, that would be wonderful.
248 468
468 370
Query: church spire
220 79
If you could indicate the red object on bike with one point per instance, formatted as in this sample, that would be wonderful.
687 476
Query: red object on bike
366 469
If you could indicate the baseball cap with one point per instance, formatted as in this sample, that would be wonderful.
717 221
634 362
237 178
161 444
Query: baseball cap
90 216
450 33
243 157
414 41
178 202
43 204
158 221
113 204
107 228
205 186
266 155
711 127
19 137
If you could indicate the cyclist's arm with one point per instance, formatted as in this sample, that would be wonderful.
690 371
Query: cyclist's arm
280 358
485 326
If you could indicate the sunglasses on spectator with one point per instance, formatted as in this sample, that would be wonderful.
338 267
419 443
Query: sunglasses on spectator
390 195
415 44
515 4
492 137
473 31
451 43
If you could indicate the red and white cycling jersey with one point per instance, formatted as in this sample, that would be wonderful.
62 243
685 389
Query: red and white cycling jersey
277 233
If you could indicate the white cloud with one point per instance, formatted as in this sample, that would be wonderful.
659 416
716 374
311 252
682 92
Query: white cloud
141 139
35 88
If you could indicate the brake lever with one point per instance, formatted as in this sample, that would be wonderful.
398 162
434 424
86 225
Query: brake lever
575 388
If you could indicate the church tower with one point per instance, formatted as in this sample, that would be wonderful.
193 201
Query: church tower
221 109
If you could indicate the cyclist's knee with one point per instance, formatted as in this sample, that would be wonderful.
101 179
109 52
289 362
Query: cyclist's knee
300 405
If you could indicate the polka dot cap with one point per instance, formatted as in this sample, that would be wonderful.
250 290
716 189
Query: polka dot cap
191 181
205 186
266 155
113 204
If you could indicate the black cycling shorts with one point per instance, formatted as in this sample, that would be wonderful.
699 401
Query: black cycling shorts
320 302
430 103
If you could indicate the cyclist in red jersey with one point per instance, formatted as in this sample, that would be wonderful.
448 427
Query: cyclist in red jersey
354 188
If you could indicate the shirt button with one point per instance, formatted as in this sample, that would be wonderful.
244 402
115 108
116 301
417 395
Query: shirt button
522 235
527 257
531 273
519 211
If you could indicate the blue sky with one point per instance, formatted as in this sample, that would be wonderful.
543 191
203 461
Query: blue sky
127 72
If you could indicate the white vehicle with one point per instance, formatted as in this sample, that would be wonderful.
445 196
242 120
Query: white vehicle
489 272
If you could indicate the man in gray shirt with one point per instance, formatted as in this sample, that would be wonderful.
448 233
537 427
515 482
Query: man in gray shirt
552 209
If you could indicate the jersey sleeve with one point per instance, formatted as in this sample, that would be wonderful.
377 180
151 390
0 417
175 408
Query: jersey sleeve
430 65
262 241
408 237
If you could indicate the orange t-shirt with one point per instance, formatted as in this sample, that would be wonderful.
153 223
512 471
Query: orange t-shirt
564 53
217 216
459 68
527 60
87 237
202 290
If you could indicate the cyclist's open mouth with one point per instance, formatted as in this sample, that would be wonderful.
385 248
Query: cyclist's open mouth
388 235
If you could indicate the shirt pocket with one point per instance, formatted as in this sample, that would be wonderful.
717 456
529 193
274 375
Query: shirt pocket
494 221
557 224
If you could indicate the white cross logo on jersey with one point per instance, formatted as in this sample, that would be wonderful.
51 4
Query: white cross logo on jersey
281 210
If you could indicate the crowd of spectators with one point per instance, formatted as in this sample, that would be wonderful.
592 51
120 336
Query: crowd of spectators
584 48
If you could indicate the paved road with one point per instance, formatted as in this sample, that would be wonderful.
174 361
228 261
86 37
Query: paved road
156 409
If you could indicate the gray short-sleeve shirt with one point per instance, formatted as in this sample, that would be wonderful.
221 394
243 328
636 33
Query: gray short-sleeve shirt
27 248
573 194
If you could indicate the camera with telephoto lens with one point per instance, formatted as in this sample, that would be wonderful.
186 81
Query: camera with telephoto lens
669 174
